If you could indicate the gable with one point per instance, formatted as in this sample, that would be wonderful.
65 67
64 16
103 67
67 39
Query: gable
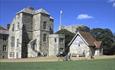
79 40
86 36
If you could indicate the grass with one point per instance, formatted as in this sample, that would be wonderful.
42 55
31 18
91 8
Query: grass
106 64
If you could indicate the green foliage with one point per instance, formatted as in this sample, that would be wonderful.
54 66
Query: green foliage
104 35
65 65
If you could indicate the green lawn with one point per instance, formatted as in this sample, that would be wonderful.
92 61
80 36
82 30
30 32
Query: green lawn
106 64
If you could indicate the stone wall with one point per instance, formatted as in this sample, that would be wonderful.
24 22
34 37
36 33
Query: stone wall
3 46
55 44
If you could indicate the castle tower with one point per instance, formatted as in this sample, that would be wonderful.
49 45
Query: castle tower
20 33
43 26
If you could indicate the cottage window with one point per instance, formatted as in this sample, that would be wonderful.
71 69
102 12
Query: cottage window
44 37
44 25
79 44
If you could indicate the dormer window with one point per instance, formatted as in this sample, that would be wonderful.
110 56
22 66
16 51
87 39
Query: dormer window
44 25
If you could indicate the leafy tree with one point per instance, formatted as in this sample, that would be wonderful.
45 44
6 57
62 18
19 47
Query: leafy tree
104 35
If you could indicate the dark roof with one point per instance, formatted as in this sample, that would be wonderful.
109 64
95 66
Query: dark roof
88 37
2 28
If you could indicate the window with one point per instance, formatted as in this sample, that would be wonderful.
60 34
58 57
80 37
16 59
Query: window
44 25
11 54
17 55
13 27
4 37
44 37
55 40
61 39
12 41
17 42
18 25
79 44
34 45
4 47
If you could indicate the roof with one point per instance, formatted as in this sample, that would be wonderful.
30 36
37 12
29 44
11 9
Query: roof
2 28
4 32
41 10
29 10
88 38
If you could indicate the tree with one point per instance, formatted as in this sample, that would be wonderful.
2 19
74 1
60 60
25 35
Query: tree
104 35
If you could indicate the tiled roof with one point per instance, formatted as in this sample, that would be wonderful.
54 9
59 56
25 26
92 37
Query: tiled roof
88 37
3 30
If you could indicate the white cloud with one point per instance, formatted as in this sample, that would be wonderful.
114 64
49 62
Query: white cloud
114 4
84 16
112 1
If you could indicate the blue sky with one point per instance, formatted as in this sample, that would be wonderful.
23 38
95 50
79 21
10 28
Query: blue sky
92 13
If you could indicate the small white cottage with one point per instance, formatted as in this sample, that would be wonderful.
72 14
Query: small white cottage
84 44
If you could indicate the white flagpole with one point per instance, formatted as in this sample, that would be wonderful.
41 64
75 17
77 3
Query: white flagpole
61 17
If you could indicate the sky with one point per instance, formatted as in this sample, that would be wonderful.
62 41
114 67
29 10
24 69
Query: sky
92 13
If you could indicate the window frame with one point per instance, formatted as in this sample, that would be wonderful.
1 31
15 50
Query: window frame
44 37
44 25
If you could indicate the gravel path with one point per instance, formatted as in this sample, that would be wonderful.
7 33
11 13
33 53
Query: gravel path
52 59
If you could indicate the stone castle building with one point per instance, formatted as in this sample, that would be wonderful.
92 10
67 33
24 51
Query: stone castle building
31 34
3 43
